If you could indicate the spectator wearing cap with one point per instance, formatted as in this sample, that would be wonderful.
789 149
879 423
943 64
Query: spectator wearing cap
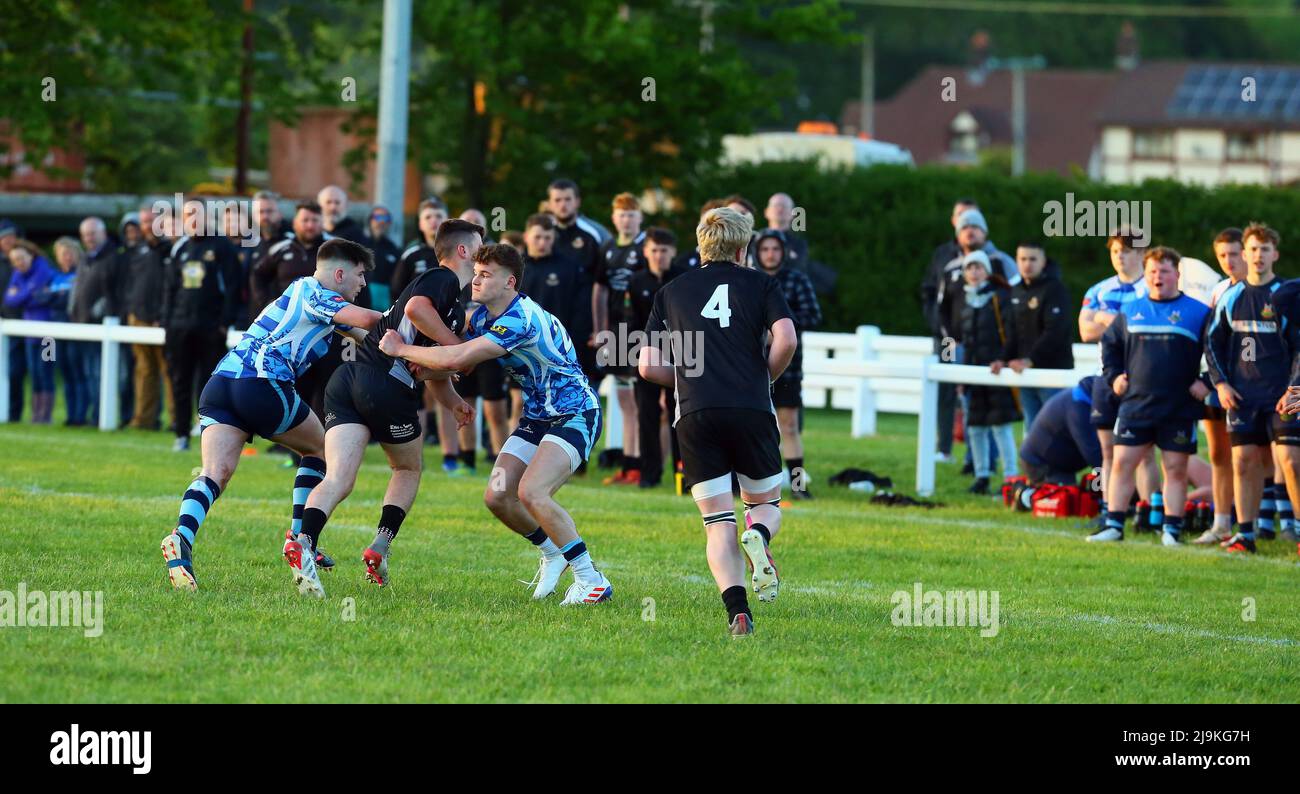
145 264
972 235
17 353
69 258
935 277
129 234
31 277
987 334
386 255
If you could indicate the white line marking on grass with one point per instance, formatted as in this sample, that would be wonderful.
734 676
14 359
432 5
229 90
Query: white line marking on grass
855 590
1182 631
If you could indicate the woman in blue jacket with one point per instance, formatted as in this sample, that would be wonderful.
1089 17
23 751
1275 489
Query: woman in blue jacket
32 275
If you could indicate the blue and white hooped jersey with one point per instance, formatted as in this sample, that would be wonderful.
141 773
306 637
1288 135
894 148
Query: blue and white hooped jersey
1112 295
290 333
539 356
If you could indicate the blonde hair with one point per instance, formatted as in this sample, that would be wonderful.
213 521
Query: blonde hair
721 232
74 245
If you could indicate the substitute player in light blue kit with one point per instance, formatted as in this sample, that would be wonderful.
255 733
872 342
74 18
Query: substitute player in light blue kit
559 427
251 393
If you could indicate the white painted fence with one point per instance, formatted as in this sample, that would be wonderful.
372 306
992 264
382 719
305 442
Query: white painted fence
865 372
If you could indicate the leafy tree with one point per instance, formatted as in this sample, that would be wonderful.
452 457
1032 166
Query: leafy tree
508 94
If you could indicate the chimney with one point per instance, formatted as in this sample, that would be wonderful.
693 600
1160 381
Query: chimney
1126 47
980 47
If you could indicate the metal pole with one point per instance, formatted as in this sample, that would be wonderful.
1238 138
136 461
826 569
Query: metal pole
1018 119
867 96
245 105
394 85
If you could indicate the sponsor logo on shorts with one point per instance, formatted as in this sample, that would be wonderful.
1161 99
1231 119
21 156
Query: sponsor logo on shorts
401 431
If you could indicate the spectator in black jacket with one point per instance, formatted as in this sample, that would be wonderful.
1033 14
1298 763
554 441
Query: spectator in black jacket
655 404
559 285
987 334
94 297
418 256
271 229
578 240
787 391
934 276
200 298
17 353
145 265
386 254
1042 313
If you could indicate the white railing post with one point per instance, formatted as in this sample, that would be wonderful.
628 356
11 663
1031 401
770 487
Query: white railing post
108 365
613 415
864 403
927 429
4 374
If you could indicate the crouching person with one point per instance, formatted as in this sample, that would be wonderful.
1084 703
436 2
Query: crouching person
1151 357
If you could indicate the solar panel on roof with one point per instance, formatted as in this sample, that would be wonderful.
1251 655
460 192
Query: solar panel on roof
1216 92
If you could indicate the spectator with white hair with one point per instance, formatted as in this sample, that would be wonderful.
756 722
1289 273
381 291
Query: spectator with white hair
333 201
780 216
93 299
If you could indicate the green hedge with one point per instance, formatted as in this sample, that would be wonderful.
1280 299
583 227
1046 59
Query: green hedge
878 226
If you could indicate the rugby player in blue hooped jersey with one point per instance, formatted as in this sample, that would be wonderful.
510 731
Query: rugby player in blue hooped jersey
251 393
559 427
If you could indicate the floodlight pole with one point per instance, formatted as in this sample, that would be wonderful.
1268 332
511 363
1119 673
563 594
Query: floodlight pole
394 85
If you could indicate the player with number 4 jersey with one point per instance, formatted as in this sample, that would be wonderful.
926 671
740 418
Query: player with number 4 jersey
716 319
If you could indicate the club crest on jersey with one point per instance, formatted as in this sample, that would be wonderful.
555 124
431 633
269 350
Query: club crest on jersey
209 255
1267 312
1033 302
577 242
552 279
1174 317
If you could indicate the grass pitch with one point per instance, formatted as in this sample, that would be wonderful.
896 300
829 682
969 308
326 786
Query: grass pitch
83 510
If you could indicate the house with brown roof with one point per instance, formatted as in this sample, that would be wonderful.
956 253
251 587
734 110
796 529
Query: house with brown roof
1202 123
949 114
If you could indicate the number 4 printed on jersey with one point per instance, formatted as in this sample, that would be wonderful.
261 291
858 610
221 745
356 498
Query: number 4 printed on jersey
718 308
